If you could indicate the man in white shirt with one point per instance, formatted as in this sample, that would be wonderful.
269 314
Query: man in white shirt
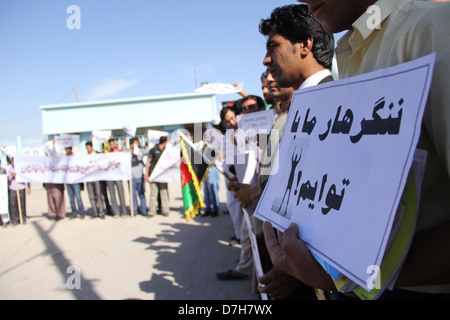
299 55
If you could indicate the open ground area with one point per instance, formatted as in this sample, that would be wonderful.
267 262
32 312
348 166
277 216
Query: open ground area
158 258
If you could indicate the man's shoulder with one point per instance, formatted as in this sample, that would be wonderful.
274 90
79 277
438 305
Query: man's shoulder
418 13
155 150
420 5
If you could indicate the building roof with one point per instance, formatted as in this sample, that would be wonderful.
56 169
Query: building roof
149 111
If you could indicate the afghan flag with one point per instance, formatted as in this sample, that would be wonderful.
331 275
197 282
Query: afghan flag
192 176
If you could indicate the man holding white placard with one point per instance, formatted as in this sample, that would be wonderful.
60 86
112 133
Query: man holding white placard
299 55
157 189
117 209
407 30
17 197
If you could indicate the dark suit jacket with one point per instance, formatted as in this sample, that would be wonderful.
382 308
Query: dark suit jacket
326 79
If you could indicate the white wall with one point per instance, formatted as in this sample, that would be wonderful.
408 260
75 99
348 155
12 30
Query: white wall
139 112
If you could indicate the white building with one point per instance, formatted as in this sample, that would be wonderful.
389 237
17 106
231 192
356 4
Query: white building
166 113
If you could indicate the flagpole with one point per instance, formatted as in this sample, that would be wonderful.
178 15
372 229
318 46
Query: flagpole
19 205
222 172
131 198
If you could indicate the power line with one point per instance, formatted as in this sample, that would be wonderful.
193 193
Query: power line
65 96
21 119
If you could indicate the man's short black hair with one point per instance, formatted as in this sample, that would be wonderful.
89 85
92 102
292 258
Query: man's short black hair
88 143
264 75
224 111
133 139
163 139
297 24
258 99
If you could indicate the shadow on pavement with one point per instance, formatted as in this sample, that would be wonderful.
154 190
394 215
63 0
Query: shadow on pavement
87 291
188 258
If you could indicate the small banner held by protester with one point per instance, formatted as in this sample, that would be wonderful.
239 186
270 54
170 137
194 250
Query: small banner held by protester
220 88
167 169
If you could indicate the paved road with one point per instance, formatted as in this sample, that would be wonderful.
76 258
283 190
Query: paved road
160 258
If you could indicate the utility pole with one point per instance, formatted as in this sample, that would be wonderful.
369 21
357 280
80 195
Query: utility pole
76 93
195 78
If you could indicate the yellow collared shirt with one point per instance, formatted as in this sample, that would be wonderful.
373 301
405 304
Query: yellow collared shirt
409 30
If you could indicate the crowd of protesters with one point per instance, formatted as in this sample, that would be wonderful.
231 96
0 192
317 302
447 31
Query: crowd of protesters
107 198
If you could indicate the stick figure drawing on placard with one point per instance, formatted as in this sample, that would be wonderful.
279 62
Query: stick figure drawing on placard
295 160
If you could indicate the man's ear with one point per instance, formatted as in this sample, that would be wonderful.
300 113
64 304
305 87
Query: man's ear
305 47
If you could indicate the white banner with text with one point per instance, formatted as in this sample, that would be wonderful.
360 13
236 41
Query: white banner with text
74 169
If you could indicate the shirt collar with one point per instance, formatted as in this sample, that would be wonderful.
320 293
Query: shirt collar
315 78
385 7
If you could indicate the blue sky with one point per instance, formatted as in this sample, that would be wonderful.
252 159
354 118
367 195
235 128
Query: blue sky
124 49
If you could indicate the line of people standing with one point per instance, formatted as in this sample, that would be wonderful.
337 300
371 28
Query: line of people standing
106 197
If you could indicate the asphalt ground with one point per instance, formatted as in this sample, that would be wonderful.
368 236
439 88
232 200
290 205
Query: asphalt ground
158 258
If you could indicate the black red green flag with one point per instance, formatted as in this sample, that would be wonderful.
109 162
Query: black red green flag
194 170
